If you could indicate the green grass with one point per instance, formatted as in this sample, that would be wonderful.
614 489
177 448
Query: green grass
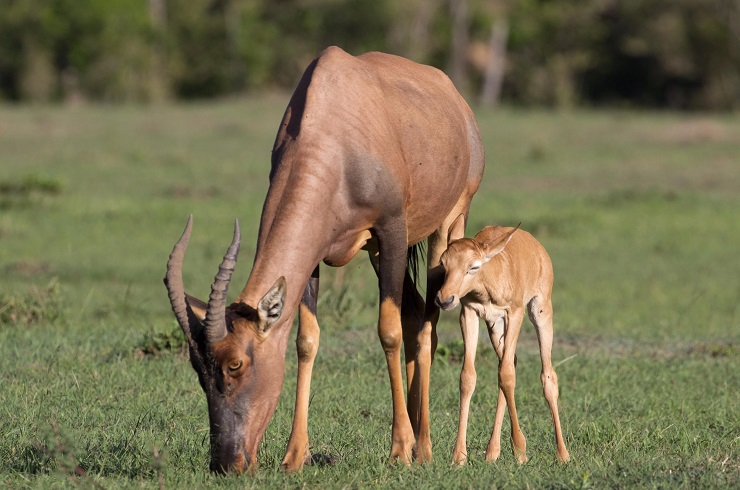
640 213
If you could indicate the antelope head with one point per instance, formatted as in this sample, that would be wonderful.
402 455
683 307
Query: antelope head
239 368
465 257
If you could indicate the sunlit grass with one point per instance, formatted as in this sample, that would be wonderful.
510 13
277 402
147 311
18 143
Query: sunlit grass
639 212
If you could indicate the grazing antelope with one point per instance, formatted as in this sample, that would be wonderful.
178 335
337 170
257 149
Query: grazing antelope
374 152
495 276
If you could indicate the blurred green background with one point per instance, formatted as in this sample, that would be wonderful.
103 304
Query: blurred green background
658 53
120 117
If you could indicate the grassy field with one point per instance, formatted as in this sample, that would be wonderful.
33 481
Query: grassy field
640 213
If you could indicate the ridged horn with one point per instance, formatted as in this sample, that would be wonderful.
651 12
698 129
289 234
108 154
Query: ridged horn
216 311
173 278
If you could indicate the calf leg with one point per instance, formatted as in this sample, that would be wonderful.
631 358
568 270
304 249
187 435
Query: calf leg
469 328
307 345
507 381
496 333
540 312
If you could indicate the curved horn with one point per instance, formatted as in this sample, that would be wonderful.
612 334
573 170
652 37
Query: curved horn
216 312
173 278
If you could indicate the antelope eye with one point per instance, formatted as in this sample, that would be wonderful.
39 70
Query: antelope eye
234 365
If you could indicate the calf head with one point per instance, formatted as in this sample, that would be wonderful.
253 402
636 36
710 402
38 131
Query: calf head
239 366
464 258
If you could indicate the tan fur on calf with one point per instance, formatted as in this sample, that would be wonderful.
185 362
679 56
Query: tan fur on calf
495 276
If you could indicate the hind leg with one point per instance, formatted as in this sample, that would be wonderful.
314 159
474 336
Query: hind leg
391 270
412 311
540 312
427 340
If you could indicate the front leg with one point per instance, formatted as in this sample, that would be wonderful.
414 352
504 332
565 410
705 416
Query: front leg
496 333
469 328
507 380
307 345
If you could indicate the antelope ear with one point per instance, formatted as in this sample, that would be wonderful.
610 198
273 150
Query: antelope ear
457 229
197 306
272 304
496 245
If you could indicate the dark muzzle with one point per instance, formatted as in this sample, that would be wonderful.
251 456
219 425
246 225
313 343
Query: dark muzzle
446 303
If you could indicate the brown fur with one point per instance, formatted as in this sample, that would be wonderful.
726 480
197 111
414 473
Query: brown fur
373 152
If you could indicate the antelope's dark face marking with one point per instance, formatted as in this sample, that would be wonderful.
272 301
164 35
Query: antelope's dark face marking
239 364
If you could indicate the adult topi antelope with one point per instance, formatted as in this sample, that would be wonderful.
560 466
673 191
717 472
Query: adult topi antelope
496 276
374 152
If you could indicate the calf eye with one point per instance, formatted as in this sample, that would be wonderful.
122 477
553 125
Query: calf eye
475 268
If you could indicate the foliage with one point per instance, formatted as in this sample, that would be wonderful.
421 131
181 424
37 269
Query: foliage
637 210
31 183
681 54
156 343
28 189
39 306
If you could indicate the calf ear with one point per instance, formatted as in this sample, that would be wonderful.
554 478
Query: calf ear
272 304
498 242
456 230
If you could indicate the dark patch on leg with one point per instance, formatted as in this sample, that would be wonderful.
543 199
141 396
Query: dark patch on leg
310 294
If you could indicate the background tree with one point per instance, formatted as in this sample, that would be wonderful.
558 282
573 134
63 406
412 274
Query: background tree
662 53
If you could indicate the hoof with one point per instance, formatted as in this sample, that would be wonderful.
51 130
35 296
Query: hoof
493 453
292 463
423 454
459 460
403 454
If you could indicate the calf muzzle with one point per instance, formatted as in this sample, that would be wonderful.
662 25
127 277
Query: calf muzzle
446 303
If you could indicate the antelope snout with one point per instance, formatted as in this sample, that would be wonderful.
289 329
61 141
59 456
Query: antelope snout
446 303
237 464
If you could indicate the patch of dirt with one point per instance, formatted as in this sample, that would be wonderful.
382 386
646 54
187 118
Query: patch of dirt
30 268
632 348
694 131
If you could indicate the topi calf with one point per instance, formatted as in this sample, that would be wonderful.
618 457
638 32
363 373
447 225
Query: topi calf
495 276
